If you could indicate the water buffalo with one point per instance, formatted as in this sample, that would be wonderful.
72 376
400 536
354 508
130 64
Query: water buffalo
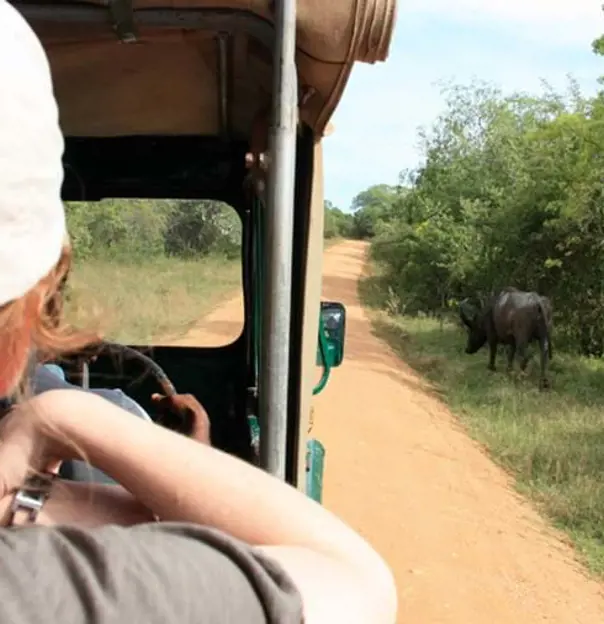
514 318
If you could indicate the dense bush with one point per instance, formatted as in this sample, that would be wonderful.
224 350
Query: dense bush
510 192
140 229
337 223
132 230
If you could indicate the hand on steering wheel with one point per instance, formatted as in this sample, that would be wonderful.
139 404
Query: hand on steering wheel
188 410
181 412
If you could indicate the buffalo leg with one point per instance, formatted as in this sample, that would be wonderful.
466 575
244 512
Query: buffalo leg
522 354
549 348
545 351
511 356
492 355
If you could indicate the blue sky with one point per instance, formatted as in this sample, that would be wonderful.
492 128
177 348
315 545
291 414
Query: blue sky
511 43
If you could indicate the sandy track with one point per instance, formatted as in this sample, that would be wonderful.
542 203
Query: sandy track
464 547
218 328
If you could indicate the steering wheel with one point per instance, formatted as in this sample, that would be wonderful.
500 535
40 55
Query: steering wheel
153 367
84 357
79 470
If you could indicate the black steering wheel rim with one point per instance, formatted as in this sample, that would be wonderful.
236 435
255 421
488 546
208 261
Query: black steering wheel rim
152 367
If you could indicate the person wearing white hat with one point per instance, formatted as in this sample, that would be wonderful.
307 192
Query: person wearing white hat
34 243
191 534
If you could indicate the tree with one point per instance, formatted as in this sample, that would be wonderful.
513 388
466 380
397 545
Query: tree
139 228
337 223
373 206
197 228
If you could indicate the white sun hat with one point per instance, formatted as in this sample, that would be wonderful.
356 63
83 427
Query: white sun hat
32 217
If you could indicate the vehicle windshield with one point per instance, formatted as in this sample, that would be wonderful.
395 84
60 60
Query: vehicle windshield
157 271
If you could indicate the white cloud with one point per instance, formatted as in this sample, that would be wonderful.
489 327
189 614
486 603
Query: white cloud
513 10
556 21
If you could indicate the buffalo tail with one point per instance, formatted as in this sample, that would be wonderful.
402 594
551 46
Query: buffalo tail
544 327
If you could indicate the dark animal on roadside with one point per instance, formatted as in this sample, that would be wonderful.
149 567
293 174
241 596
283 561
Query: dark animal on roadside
513 318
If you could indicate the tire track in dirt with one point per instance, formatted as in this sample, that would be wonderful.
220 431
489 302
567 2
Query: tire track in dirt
463 546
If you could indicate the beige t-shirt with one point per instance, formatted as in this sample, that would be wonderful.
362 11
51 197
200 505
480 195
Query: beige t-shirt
152 573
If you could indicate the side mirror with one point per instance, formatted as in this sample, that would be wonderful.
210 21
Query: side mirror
333 326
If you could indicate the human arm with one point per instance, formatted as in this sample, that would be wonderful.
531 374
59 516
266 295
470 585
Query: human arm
87 505
179 479
182 410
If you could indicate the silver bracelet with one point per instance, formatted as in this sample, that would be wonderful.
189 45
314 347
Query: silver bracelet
30 498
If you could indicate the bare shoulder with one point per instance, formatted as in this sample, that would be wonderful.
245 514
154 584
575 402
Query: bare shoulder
334 592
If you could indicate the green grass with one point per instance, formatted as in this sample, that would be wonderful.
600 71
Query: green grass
146 302
552 442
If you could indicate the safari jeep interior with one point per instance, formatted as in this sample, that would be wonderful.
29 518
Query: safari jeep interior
171 99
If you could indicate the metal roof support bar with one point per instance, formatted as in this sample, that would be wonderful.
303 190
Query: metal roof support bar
122 16
232 22
274 363
223 82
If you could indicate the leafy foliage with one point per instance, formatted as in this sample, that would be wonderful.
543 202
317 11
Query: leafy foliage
372 207
137 229
140 229
510 192
337 223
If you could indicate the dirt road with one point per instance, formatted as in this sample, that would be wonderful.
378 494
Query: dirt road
464 547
